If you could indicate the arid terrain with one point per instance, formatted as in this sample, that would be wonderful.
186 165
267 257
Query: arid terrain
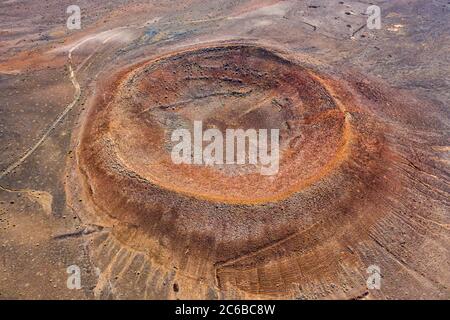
87 180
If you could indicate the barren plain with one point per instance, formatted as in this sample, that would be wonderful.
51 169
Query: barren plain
86 178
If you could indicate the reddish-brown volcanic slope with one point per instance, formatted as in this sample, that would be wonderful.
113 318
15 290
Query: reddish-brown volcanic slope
345 186
239 87
86 176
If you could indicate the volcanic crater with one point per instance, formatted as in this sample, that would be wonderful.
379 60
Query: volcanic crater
87 183
230 228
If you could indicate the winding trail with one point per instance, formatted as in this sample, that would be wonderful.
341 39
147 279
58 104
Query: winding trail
69 107
66 110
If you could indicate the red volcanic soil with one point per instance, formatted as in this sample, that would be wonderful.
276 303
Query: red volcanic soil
344 167
86 179
231 86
